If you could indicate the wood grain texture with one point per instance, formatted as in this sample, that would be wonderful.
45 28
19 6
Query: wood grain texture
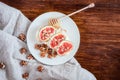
99 50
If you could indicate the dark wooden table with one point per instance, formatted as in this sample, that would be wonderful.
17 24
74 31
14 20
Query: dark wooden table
99 50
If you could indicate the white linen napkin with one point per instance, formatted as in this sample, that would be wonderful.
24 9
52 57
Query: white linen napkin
12 23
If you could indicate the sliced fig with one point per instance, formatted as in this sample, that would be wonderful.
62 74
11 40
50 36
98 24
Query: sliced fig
64 48
56 40
46 32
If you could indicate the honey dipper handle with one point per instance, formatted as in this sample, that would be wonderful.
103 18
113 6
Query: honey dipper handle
89 6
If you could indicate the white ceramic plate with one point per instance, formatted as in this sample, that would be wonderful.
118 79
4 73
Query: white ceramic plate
67 23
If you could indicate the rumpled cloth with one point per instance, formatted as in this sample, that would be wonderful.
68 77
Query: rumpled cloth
13 23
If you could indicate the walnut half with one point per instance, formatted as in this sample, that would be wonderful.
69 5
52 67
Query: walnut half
22 36
25 75
2 65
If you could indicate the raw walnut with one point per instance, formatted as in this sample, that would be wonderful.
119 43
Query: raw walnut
23 50
2 65
51 53
50 50
37 46
30 57
40 68
23 63
42 54
25 75
22 36
41 47
49 56
54 54
45 50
